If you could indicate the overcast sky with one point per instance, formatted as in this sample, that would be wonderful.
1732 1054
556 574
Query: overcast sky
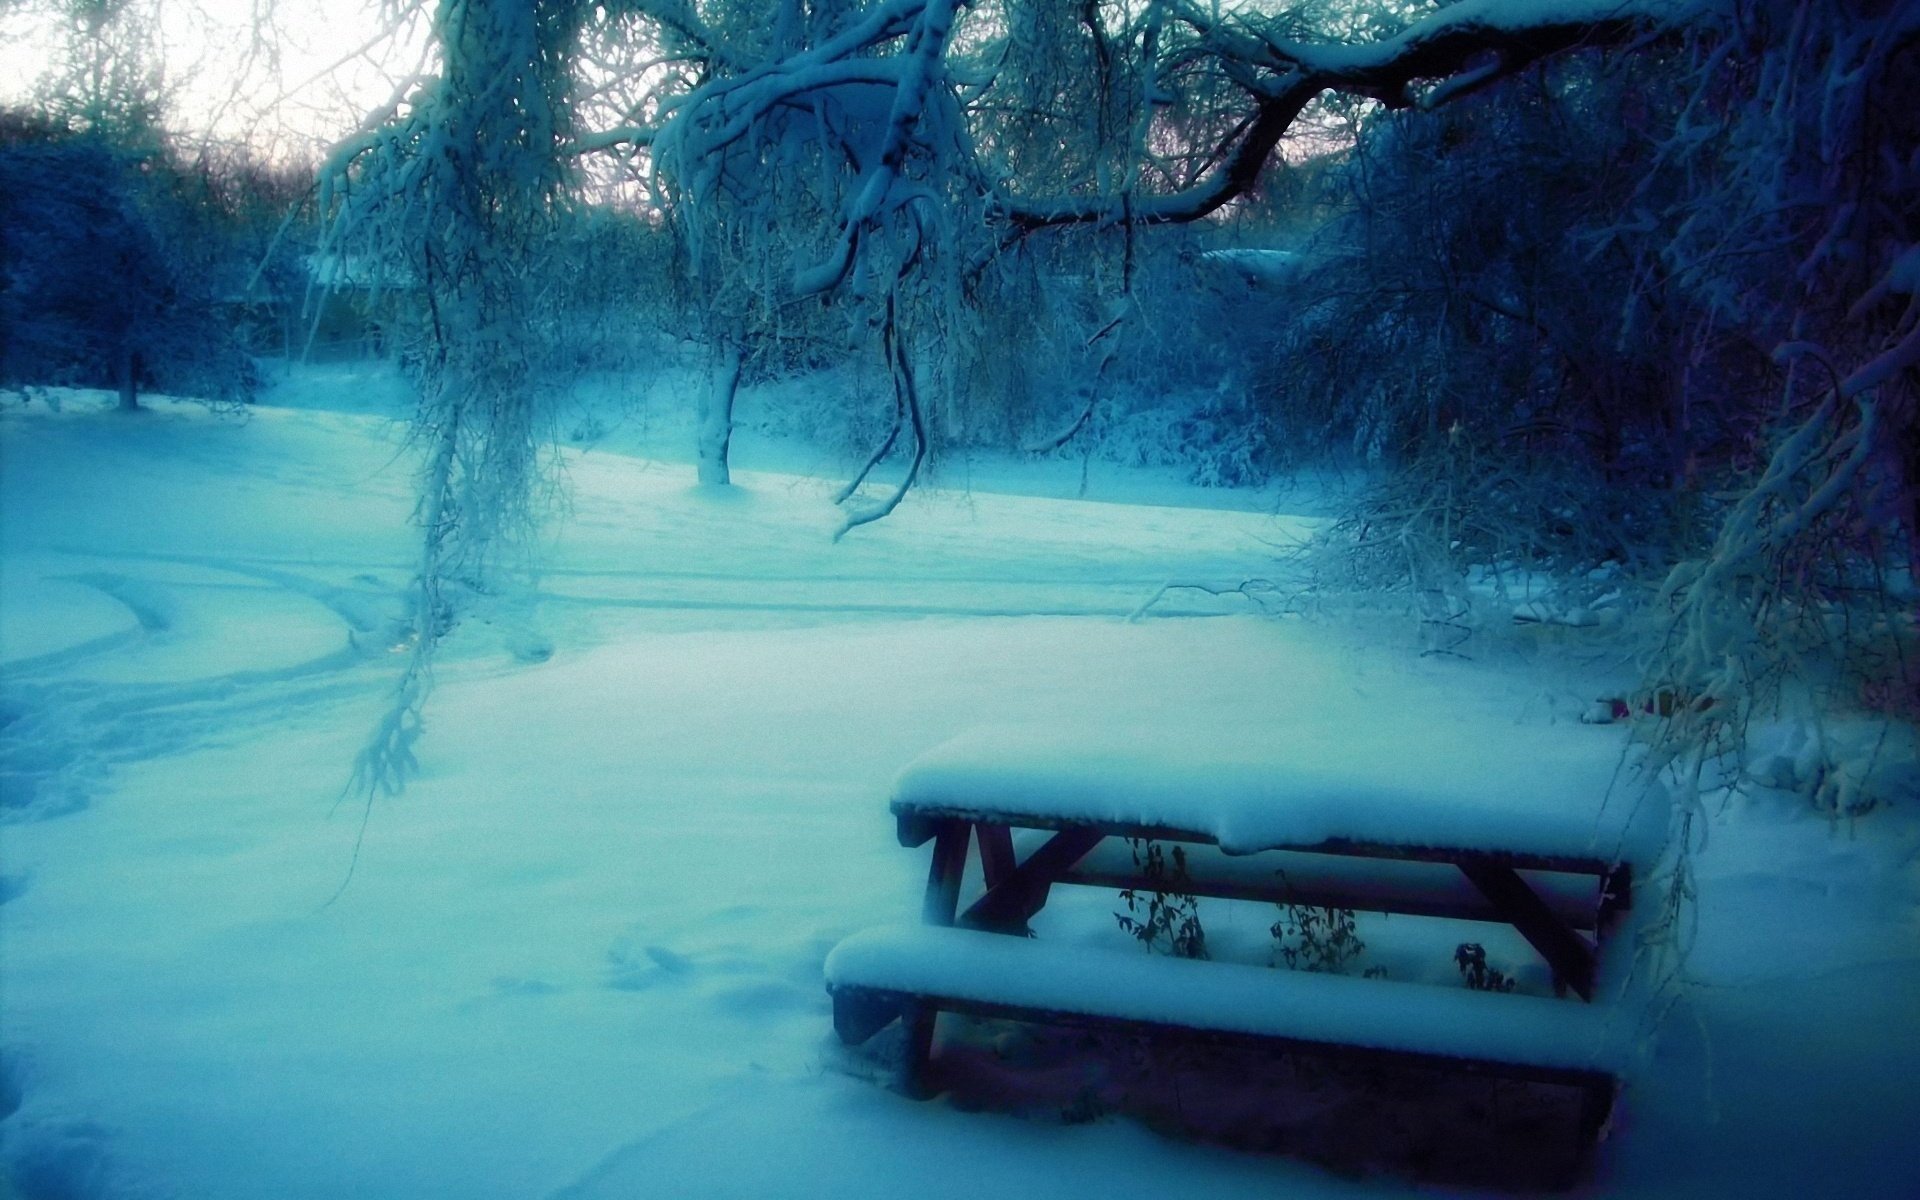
282 74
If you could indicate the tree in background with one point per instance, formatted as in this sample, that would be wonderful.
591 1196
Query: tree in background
113 248
1799 235
109 271
1614 286
1669 241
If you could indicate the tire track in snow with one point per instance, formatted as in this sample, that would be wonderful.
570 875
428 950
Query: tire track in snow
1127 590
60 738
1041 577
879 608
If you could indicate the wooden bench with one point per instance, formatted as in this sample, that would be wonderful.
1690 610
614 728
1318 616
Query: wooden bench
1411 834
913 972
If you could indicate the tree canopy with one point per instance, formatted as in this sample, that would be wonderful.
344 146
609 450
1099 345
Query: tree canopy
1620 290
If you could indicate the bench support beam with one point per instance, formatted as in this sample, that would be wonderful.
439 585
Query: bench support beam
1565 951
944 873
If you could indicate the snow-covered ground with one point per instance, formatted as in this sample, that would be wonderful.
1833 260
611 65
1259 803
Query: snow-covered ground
581 955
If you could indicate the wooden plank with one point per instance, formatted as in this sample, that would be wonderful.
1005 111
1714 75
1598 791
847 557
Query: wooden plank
1510 859
913 1080
859 1014
942 899
1009 904
913 829
1570 956
1337 881
918 820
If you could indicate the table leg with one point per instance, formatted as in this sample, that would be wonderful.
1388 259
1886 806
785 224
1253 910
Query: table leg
996 852
942 900
943 876
917 1054
1010 903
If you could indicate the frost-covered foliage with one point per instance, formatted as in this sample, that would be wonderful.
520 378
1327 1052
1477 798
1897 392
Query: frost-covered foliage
920 161
1468 323
455 194
905 157
1565 245
1802 233
800 166
1628 311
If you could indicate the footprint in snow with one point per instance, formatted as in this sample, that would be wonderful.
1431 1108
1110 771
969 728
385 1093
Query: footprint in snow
633 967
668 961
761 997
65 1158
510 985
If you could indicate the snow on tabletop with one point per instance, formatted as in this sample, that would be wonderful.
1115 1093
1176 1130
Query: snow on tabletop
963 964
1562 791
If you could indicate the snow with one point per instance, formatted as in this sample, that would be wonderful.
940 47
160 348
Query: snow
1513 15
965 964
47 615
583 954
1255 267
1320 770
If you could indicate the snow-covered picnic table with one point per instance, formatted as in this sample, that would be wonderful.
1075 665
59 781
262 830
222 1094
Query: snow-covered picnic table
1545 835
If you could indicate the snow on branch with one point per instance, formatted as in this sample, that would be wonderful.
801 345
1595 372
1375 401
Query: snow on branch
904 45
1439 45
1464 47
925 50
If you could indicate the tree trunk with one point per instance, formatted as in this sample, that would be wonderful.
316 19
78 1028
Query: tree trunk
129 373
716 416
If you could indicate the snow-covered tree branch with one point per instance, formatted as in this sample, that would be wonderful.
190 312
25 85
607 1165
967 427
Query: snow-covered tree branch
453 196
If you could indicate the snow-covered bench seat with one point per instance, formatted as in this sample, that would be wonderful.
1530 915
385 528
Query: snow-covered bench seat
882 973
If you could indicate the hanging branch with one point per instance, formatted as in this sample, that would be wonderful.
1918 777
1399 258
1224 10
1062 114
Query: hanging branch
906 399
1048 445
926 48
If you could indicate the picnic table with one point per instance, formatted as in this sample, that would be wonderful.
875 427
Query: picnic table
1548 840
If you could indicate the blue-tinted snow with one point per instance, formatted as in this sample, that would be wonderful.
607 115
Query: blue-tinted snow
582 955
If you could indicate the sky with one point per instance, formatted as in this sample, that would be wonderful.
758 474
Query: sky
286 76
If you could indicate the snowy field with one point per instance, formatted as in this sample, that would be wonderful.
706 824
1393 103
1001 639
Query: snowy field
581 955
